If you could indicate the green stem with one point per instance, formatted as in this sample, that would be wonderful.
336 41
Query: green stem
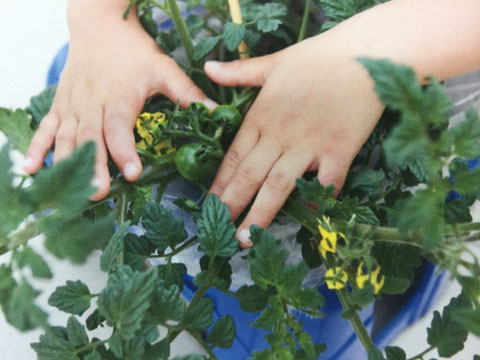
422 354
177 250
199 340
121 212
89 346
306 14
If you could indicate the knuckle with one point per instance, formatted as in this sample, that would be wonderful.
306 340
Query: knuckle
87 130
64 137
278 182
232 157
246 177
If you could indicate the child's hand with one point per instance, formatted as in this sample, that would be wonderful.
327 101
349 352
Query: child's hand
112 68
314 112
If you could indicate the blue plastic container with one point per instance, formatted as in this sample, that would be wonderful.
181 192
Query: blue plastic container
333 330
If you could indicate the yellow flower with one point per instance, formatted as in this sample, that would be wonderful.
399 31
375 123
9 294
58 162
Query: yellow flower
375 281
329 237
336 278
147 124
361 277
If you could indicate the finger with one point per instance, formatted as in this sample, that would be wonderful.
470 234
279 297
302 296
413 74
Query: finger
333 170
90 129
119 121
65 141
246 138
177 86
275 190
249 176
41 143
251 72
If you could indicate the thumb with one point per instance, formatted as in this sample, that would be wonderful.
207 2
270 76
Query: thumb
250 72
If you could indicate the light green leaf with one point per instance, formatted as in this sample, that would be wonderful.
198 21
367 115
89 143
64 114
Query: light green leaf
77 336
40 104
16 126
73 298
223 332
469 319
109 257
372 182
216 232
28 257
467 135
233 35
457 211
126 299
349 207
205 46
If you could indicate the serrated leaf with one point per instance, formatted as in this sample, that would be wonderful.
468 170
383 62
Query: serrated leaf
40 104
77 336
268 16
205 46
314 192
215 231
349 207
233 35
28 257
172 274
444 332
252 298
21 310
469 319
199 317
271 315
73 298
370 181
126 299
306 343
115 247
395 353
467 135
162 228
54 345
16 126
166 304
223 332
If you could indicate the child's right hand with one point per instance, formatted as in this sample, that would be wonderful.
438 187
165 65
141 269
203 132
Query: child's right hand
112 68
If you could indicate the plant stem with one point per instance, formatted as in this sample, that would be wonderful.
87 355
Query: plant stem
202 343
422 354
236 14
306 14
177 250
121 212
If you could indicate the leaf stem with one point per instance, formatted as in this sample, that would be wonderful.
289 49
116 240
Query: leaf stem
198 339
306 14
422 354
177 250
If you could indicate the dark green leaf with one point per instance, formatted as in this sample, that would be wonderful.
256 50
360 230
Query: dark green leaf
457 211
223 332
340 10
109 257
77 336
190 357
158 351
216 233
199 317
93 356
40 104
126 299
205 45
349 207
252 298
73 298
306 343
16 126
395 353
310 253
271 315
54 345
268 16
28 257
468 182
172 274
222 268
94 320
444 332
362 297
163 229
7 284
166 304
375 354
137 249
468 319
314 192
233 35
370 181
195 24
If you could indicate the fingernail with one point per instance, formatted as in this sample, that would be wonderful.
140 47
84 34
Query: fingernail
212 65
27 162
130 170
210 104
96 182
244 237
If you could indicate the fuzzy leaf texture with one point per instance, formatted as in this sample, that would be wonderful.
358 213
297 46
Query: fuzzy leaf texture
162 228
233 35
126 299
166 304
54 345
77 335
73 298
109 257
444 332
215 230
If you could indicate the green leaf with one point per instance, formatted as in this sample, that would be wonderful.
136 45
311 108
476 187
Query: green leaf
216 233
158 351
114 249
349 207
199 317
457 211
162 228
7 284
77 335
28 257
195 24
166 304
222 269
54 345
172 274
137 249
467 135
67 185
21 311
223 332
468 182
93 356
468 319
94 320
268 16
375 354
314 192
233 35
252 298
141 197
395 353
338 11
306 343
16 126
40 104
73 298
444 332
370 181
190 357
126 299
310 253
271 315
205 46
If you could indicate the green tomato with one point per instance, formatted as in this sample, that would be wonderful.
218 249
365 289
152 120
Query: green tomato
228 116
196 161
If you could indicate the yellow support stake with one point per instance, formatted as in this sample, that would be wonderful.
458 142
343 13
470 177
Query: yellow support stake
236 15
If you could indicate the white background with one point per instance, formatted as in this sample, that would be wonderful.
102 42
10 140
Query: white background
31 32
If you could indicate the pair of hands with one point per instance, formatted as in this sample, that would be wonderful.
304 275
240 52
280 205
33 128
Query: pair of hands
315 110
